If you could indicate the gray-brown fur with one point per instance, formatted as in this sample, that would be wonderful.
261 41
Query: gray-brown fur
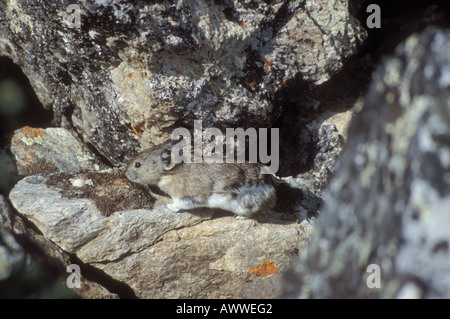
237 187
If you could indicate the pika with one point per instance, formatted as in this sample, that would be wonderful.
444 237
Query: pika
236 187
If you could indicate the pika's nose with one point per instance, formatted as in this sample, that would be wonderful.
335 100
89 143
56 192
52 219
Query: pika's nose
130 175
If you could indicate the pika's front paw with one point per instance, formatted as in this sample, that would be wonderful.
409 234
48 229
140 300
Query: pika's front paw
173 207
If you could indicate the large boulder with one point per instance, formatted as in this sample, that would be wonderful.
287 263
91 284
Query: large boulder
119 76
383 230
155 252
124 74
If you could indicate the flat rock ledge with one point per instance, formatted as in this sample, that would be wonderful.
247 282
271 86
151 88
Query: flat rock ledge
152 251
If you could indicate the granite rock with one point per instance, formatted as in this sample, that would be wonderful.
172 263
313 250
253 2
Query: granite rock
155 252
123 74
386 209
49 150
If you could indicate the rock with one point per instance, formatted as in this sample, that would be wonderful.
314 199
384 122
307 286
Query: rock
388 201
153 251
7 172
50 150
311 38
5 214
129 73
12 255
25 274
210 255
120 81
309 165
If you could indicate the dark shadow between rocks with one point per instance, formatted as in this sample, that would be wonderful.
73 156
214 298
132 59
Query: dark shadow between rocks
96 275
19 104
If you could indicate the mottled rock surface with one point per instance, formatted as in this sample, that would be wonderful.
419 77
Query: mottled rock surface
388 202
39 274
158 253
121 81
51 150
130 72
12 255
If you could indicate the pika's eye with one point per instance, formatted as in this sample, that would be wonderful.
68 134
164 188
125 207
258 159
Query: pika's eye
137 164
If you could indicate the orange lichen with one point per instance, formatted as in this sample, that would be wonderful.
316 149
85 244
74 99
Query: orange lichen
31 132
29 154
26 143
268 64
267 268
243 24
128 77
136 130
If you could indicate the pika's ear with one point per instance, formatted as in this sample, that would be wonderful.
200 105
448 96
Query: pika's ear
167 160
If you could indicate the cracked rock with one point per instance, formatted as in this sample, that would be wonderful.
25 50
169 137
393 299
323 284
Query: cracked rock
156 252
132 71
50 150
388 202
120 82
